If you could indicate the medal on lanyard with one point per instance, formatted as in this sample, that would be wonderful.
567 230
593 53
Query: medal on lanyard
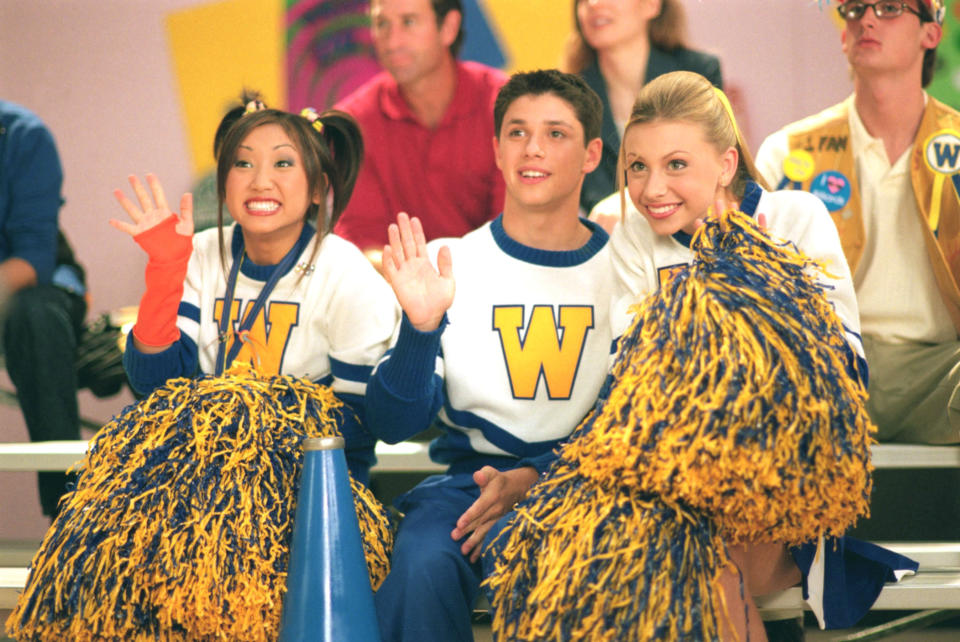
797 168
941 153
225 358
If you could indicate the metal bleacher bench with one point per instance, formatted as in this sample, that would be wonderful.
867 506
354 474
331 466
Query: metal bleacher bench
935 586
407 456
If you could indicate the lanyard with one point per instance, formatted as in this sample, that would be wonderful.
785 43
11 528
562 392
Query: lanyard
223 326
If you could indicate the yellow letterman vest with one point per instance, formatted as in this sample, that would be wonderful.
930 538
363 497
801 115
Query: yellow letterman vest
934 158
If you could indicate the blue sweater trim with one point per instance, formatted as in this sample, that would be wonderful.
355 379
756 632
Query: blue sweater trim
496 435
350 371
263 272
147 372
751 197
189 311
550 258
409 372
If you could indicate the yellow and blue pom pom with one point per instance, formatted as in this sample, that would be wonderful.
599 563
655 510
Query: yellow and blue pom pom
180 524
734 417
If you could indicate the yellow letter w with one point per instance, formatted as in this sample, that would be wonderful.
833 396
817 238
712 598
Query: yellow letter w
542 350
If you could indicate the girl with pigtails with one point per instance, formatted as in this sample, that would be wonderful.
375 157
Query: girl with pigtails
299 300
180 523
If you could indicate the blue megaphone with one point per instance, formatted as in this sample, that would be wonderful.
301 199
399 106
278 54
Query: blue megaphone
328 586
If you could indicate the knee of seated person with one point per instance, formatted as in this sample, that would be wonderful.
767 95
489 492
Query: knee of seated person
36 320
953 415
429 565
766 566
31 307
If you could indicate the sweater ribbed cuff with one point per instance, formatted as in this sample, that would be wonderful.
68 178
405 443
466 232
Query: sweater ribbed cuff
409 371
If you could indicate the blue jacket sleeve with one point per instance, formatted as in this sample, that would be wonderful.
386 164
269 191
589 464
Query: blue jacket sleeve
147 372
404 392
32 200
541 463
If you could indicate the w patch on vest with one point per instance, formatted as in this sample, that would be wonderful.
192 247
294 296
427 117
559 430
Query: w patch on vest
941 153
833 188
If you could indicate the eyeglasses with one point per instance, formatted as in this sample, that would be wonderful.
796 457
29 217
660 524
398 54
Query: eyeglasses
883 10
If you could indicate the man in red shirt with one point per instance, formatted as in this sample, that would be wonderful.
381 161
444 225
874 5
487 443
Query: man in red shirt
426 127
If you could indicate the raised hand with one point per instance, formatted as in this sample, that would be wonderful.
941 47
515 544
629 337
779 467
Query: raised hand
720 205
167 238
152 211
423 292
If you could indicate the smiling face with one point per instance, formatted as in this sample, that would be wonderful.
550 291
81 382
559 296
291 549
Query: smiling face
674 174
892 45
408 41
541 152
267 193
608 23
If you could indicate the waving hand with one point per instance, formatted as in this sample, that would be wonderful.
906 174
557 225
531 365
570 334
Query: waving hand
152 211
424 293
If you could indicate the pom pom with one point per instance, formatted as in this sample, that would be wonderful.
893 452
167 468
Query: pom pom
180 524
735 416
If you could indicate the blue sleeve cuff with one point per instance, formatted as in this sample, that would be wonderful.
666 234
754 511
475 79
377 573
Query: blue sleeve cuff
405 393
408 372
148 372
541 462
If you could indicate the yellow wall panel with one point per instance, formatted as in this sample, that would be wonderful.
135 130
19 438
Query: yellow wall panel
532 32
218 49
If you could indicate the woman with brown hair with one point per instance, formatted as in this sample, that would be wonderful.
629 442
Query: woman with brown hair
617 47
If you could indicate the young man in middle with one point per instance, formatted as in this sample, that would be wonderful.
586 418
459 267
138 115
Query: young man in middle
509 364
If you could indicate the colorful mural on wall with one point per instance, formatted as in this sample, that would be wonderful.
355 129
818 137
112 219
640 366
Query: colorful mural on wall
218 49
328 50
314 52
946 81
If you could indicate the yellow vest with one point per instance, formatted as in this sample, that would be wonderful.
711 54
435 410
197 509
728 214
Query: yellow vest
826 136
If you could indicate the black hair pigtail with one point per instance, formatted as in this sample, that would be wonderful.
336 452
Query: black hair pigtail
343 138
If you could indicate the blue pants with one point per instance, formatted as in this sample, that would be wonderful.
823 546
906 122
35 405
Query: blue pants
432 586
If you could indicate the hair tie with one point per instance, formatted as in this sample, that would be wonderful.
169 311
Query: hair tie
254 105
729 109
726 106
313 118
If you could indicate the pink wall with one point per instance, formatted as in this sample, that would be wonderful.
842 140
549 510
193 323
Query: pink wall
783 55
99 73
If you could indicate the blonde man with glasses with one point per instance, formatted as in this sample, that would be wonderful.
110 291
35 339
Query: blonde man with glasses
885 162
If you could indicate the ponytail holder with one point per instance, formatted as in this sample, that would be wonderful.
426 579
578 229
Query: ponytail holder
313 117
727 108
254 105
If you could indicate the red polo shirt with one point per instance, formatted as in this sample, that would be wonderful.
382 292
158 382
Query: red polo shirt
446 176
